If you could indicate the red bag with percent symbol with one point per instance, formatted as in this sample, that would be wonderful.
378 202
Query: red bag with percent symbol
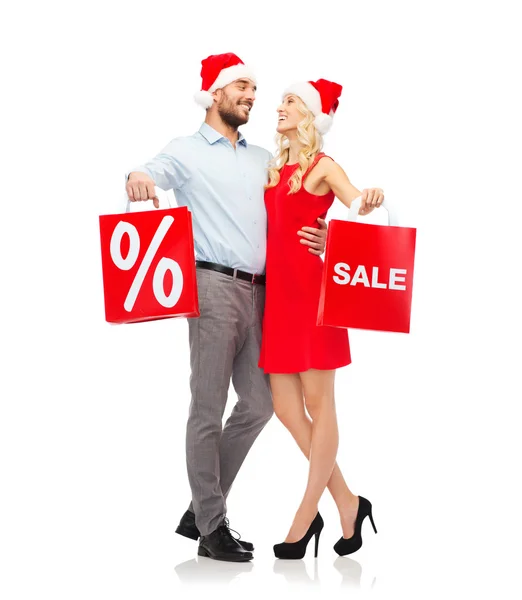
367 274
149 269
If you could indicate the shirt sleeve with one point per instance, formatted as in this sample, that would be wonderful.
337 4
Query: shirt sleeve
166 168
269 157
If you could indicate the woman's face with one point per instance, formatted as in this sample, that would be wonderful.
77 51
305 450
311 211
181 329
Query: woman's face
288 115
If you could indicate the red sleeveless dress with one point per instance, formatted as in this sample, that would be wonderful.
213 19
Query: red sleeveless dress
291 341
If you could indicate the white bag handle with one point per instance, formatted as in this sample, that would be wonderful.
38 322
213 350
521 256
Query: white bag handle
356 205
159 194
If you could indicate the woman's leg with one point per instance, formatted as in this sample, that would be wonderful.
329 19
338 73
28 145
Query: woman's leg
287 396
318 389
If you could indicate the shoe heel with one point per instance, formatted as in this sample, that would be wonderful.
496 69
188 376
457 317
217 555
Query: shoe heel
371 520
317 543
202 552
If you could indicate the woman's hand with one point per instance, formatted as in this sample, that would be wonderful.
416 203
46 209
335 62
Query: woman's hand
371 198
316 236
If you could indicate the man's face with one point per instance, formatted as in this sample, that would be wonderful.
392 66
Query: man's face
235 101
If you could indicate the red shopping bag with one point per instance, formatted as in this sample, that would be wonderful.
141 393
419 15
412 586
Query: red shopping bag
368 274
149 269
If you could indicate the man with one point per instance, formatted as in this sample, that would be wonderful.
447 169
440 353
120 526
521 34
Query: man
220 178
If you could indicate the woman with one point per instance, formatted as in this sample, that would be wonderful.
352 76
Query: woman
300 356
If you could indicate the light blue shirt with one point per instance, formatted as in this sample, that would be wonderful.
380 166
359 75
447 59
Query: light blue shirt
223 189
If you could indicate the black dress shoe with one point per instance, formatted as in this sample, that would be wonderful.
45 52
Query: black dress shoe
220 545
187 527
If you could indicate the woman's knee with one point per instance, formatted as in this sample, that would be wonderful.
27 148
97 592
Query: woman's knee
318 389
316 404
287 412
281 409
287 395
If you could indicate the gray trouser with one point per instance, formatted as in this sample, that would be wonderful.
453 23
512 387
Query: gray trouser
225 342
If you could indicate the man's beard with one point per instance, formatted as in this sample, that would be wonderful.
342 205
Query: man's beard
232 115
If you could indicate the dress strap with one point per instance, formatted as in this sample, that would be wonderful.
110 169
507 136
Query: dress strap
314 162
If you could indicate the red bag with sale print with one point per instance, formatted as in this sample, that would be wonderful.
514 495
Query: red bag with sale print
149 269
368 274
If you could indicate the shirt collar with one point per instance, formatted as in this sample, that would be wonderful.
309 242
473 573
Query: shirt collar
212 136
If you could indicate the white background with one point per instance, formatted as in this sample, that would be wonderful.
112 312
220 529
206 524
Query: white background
92 424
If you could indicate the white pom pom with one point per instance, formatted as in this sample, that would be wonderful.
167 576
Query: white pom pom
323 123
204 99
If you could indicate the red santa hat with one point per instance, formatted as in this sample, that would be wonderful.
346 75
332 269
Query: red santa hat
321 97
217 71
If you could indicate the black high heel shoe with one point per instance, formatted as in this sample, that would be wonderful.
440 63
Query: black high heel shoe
298 549
346 546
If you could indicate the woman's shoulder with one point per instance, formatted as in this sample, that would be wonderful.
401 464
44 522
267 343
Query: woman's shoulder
324 163
321 157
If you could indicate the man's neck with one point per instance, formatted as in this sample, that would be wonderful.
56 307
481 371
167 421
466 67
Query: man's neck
223 128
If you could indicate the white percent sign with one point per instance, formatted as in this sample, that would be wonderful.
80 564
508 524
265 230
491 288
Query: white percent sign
164 265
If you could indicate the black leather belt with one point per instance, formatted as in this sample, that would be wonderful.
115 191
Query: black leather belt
251 277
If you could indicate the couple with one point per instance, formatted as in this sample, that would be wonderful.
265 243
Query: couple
251 210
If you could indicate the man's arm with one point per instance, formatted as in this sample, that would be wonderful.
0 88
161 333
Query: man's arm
165 170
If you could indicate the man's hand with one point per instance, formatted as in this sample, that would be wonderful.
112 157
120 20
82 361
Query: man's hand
140 187
317 237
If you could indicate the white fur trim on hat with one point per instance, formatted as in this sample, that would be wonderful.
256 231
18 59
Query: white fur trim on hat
323 122
308 94
203 98
230 74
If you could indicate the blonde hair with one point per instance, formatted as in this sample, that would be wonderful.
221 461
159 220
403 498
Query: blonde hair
311 144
